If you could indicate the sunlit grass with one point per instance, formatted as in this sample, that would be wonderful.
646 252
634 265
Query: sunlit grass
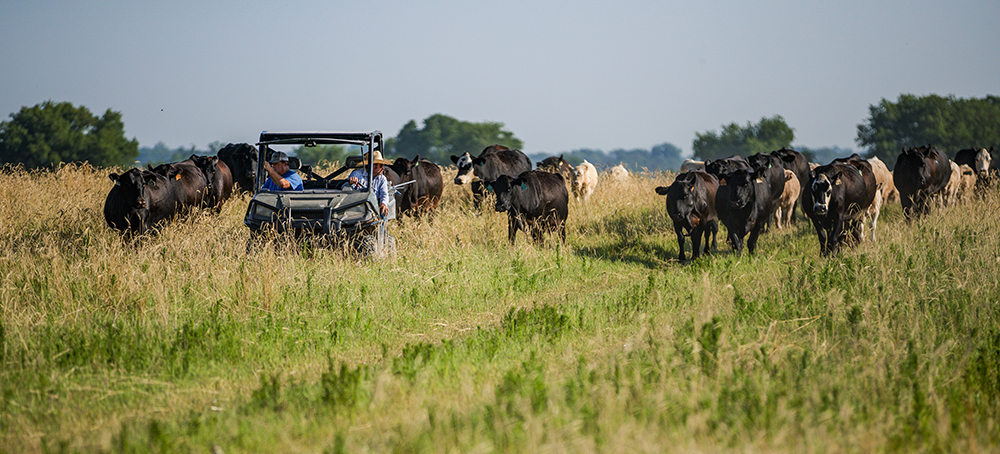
189 339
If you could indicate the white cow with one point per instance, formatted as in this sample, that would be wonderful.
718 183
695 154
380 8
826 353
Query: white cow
690 164
584 180
966 183
884 178
950 194
618 173
790 195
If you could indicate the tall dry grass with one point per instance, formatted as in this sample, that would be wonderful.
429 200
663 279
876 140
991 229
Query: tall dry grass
187 340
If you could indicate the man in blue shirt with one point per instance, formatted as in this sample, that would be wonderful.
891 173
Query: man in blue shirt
358 179
280 177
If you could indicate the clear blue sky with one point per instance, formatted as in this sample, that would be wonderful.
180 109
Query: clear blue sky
561 75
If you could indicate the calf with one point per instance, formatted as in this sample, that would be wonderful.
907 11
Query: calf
535 202
584 180
835 200
744 203
495 160
788 199
424 194
967 183
950 193
919 175
691 207
618 174
797 163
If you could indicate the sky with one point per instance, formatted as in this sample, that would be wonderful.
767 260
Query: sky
560 75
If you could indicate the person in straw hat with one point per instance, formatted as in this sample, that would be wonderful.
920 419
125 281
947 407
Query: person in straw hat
358 179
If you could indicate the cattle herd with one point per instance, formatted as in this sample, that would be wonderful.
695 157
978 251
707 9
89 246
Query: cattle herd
841 199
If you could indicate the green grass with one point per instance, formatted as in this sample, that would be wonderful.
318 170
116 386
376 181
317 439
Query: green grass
184 341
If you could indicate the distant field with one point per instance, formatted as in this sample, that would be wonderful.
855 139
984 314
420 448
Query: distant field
184 342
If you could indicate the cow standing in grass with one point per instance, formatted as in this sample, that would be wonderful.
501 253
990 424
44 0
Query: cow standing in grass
836 199
920 174
535 202
495 160
691 207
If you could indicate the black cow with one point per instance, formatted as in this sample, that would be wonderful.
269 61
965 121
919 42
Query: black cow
495 160
218 178
139 200
188 181
241 158
919 174
535 202
770 167
691 207
556 164
725 166
836 200
744 204
797 163
424 194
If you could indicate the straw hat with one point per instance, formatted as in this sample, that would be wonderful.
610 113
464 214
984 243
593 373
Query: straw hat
377 155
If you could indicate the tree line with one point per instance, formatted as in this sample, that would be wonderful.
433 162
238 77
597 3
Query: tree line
49 133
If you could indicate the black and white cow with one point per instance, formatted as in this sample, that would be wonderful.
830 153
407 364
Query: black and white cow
836 199
535 202
691 207
495 160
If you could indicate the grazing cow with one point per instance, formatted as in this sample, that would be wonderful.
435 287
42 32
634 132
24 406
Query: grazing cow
241 158
835 200
691 164
744 204
140 200
618 174
691 207
495 160
725 166
556 164
424 194
189 182
535 202
584 180
788 199
920 174
872 191
883 177
218 178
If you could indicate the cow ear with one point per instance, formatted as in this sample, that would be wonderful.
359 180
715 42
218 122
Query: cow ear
416 160
722 181
113 177
478 161
454 159
519 182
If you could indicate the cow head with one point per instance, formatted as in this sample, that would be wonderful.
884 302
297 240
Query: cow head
743 185
822 192
465 171
132 186
681 199
504 187
983 160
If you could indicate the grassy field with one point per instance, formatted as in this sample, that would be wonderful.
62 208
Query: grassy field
184 342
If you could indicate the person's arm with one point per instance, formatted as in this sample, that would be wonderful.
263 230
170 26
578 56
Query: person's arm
280 181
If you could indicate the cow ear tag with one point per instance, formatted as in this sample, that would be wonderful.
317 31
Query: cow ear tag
524 186
177 177
151 183
489 188
837 182
758 180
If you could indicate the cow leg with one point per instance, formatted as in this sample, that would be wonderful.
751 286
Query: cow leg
696 242
752 240
511 228
477 194
737 242
713 228
680 241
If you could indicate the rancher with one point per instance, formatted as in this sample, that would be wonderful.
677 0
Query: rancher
280 176
358 180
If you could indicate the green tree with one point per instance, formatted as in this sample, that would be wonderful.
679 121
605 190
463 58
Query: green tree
767 135
947 122
50 133
443 136
323 154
